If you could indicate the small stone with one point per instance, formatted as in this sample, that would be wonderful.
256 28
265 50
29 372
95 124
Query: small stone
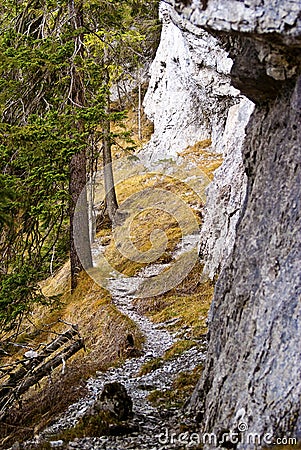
56 444
30 354
278 73
16 446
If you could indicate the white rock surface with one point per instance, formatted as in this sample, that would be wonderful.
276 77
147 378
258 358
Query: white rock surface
278 17
190 99
189 92
225 195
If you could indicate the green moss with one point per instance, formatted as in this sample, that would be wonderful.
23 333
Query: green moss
175 350
178 348
89 426
149 366
182 388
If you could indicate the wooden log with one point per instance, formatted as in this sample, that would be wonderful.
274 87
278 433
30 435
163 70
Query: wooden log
29 380
29 364
12 388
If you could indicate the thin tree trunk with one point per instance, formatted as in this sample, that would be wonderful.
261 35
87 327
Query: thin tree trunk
80 254
139 108
111 199
91 212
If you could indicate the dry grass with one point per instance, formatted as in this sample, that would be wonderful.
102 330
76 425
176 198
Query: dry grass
207 161
161 200
189 302
178 348
104 329
130 124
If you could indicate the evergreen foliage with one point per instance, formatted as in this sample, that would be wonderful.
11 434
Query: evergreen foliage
45 63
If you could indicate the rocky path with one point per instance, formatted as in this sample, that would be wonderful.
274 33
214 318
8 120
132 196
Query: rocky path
154 425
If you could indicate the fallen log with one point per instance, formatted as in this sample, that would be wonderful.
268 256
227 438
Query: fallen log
29 364
38 366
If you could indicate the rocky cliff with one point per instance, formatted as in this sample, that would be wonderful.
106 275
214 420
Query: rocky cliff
226 193
189 93
190 99
251 382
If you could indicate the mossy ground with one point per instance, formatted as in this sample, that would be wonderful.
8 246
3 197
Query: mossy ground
100 424
181 389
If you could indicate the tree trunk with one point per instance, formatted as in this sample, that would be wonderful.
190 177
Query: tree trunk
139 106
111 199
80 254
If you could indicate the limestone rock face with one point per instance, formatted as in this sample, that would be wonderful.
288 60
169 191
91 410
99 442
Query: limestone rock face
226 193
251 382
189 94
271 31
264 18
254 349
190 99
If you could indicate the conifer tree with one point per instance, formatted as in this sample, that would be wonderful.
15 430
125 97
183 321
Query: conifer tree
58 62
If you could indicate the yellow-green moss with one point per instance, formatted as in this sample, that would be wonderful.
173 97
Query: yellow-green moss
178 348
149 366
181 389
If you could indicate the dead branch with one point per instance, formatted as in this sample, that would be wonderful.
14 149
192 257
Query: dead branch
36 366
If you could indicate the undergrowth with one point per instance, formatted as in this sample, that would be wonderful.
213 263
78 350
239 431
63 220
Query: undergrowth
100 323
